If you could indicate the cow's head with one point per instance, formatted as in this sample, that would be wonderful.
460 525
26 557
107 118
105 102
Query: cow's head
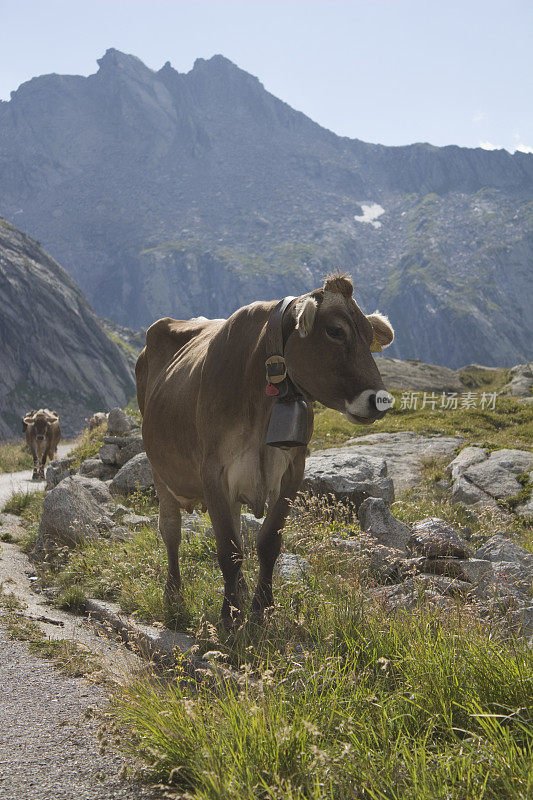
329 355
40 422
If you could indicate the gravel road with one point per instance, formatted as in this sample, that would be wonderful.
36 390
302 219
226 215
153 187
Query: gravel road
48 748
21 481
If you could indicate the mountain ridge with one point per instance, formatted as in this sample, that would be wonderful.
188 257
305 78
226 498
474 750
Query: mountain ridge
194 193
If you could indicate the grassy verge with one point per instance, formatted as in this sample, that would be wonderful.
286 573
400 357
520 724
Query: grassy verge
510 424
68 657
89 443
14 458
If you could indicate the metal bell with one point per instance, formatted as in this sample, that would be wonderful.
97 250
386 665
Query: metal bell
288 424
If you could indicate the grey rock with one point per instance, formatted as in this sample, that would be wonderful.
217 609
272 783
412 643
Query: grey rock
466 458
412 594
505 581
465 492
474 570
59 469
500 549
134 520
381 562
417 376
347 475
405 452
118 510
118 422
97 488
290 566
496 475
132 448
135 475
108 453
250 527
521 382
376 519
53 345
94 468
526 509
434 538
192 522
443 485
71 515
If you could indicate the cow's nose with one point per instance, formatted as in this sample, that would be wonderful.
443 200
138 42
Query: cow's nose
380 402
40 438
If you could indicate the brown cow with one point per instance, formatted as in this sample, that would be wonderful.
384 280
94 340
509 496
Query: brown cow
42 437
201 389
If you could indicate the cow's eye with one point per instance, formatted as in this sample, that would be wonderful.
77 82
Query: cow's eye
335 332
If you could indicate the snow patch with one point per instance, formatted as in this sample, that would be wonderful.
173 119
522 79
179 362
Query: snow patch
370 214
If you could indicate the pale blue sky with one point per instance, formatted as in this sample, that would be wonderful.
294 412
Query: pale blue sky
389 71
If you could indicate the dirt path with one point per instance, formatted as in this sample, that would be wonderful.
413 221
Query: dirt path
21 481
49 749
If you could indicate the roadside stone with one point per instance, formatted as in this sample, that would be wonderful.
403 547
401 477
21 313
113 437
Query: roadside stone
347 475
132 448
59 469
465 492
291 566
71 515
94 468
97 488
376 519
118 422
521 382
135 475
434 538
108 453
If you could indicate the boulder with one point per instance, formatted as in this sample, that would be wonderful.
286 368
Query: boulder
521 382
94 468
496 475
59 469
500 549
135 475
466 458
376 519
434 538
250 527
118 422
136 520
97 488
133 447
413 593
71 515
290 566
108 453
405 452
347 475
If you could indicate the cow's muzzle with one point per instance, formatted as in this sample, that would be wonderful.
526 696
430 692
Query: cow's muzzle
40 437
369 406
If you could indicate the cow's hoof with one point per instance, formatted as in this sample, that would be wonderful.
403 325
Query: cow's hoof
35 476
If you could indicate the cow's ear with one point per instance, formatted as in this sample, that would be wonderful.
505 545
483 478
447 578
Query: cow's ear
383 332
305 315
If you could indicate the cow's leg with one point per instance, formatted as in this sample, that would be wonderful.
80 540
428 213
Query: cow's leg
226 519
170 530
35 464
269 537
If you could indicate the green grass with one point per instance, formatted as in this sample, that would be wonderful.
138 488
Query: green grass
88 444
509 425
412 706
14 458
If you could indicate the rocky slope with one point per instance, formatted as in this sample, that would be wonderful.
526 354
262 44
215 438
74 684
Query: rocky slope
182 194
53 350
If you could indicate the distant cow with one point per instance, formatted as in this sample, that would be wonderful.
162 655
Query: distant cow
206 405
97 419
42 437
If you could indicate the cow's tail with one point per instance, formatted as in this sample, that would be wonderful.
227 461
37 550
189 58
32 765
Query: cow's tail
141 375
